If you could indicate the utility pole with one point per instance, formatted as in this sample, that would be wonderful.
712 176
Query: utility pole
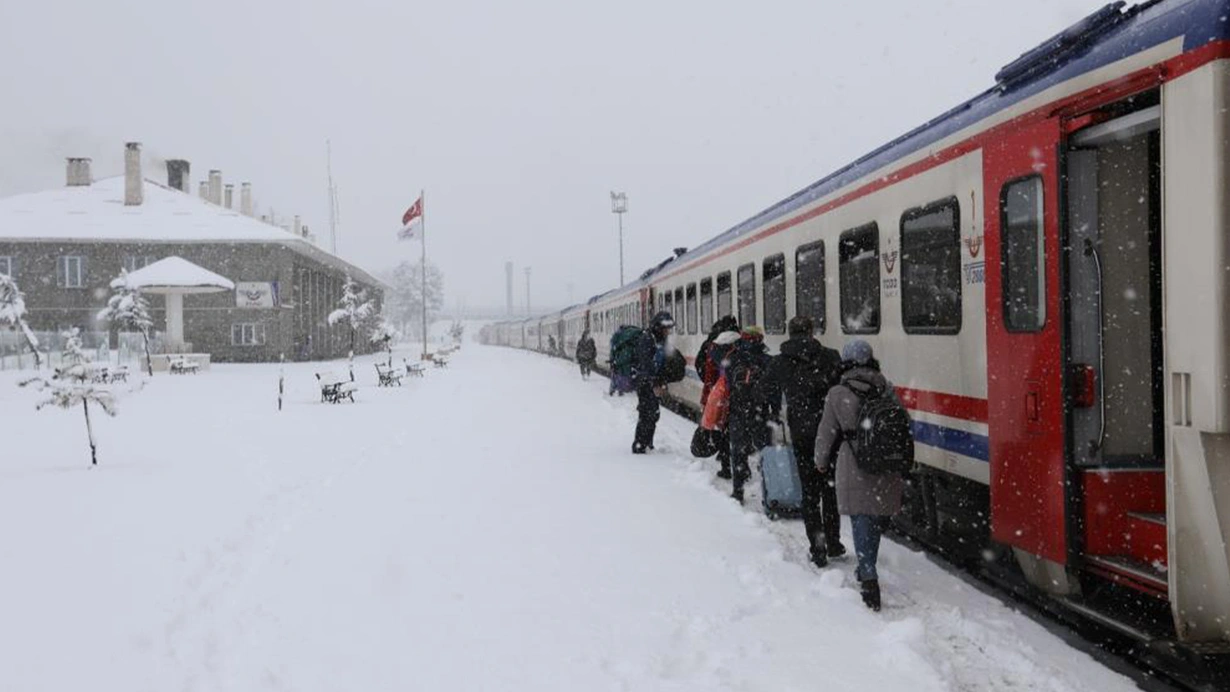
528 311
332 196
619 205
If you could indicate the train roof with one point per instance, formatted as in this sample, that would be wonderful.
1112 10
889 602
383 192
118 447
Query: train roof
1104 37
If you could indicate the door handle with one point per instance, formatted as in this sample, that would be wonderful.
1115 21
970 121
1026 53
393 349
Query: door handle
1033 412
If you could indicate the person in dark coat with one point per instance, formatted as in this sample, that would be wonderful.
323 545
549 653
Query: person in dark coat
648 376
868 499
587 354
749 411
713 351
804 372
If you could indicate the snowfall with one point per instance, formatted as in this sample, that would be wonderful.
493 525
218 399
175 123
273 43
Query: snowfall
481 528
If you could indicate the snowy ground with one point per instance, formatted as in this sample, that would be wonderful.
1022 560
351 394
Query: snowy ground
483 528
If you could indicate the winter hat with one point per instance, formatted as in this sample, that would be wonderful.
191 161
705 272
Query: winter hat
752 333
724 324
662 320
726 338
857 351
802 325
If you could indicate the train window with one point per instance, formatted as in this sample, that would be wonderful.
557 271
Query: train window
723 295
669 302
809 288
747 294
1023 255
859 274
678 313
774 278
691 308
706 305
931 269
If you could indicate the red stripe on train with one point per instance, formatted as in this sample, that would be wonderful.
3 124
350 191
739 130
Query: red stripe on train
951 405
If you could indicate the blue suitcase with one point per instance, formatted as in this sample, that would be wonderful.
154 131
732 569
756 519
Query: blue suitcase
781 491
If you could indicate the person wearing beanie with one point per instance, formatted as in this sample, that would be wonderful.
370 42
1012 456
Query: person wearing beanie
868 499
714 350
650 380
804 372
749 411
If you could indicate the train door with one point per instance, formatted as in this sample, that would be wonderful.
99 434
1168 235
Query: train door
1025 408
1115 341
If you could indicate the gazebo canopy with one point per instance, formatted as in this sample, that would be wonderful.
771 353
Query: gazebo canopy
175 275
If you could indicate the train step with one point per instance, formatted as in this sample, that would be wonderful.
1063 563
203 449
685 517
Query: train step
1129 571
1146 537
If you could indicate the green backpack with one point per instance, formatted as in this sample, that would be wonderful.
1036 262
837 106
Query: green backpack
623 349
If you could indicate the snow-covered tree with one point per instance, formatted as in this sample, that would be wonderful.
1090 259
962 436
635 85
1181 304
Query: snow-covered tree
13 312
457 330
72 385
404 301
128 309
383 335
354 311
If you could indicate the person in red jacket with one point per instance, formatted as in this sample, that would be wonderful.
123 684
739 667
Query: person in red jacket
713 351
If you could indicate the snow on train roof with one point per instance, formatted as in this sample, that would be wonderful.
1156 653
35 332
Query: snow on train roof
96 212
1106 36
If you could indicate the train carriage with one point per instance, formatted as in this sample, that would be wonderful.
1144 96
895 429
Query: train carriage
1043 273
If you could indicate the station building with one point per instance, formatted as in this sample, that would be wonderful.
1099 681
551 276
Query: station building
65 246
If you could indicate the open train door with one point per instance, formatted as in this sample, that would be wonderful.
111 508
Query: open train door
1025 406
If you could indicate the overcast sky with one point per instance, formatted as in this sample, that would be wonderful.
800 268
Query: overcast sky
517 118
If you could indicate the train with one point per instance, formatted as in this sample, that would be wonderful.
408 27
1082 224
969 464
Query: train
1043 272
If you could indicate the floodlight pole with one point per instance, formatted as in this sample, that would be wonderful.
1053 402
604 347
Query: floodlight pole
528 311
619 205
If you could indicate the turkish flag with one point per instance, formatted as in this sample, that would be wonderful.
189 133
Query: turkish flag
415 211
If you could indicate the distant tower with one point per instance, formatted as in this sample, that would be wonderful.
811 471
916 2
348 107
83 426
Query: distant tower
508 277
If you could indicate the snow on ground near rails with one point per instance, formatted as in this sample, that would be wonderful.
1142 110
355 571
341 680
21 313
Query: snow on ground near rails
483 528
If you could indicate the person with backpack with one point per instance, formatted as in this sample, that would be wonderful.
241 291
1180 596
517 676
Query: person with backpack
623 357
748 424
713 351
650 365
865 432
587 354
804 372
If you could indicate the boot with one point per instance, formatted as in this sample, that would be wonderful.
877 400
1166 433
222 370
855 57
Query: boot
836 550
724 473
870 590
737 495
638 448
819 559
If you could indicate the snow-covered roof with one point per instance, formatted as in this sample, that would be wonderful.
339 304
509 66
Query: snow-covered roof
175 274
97 213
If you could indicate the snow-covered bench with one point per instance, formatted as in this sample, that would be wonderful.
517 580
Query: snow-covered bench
388 376
101 372
335 387
438 360
183 366
415 369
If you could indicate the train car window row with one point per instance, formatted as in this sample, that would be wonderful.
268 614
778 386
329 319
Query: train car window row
706 305
747 294
774 281
690 297
724 305
859 277
931 269
1023 255
809 288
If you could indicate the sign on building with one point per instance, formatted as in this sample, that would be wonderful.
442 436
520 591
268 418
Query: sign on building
256 294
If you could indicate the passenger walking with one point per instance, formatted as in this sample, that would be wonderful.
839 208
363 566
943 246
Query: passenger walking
749 411
713 351
649 376
587 354
804 372
869 499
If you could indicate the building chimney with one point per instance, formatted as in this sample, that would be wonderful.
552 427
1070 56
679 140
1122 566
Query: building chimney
133 189
297 228
215 186
177 174
245 199
203 186
78 172
229 196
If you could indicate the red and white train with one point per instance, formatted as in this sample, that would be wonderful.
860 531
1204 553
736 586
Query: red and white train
1043 271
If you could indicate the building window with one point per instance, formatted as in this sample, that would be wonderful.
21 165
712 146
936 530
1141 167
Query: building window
747 295
1023 255
859 274
931 269
71 271
706 305
724 307
774 279
809 288
135 262
691 308
248 334
6 266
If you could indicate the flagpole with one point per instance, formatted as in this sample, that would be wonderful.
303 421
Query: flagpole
423 235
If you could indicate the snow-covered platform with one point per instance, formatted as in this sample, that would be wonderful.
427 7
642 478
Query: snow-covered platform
482 528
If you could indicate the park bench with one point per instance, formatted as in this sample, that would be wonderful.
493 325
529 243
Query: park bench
102 373
388 376
415 369
182 366
335 387
438 360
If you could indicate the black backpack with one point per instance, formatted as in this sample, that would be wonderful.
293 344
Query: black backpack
674 367
883 442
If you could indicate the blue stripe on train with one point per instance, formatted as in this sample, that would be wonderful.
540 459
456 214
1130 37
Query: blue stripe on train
951 440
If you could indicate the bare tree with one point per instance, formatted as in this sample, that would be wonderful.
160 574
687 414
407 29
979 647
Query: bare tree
128 309
72 385
404 300
383 335
13 312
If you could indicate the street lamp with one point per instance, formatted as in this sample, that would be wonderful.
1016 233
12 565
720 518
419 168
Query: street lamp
527 292
619 205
